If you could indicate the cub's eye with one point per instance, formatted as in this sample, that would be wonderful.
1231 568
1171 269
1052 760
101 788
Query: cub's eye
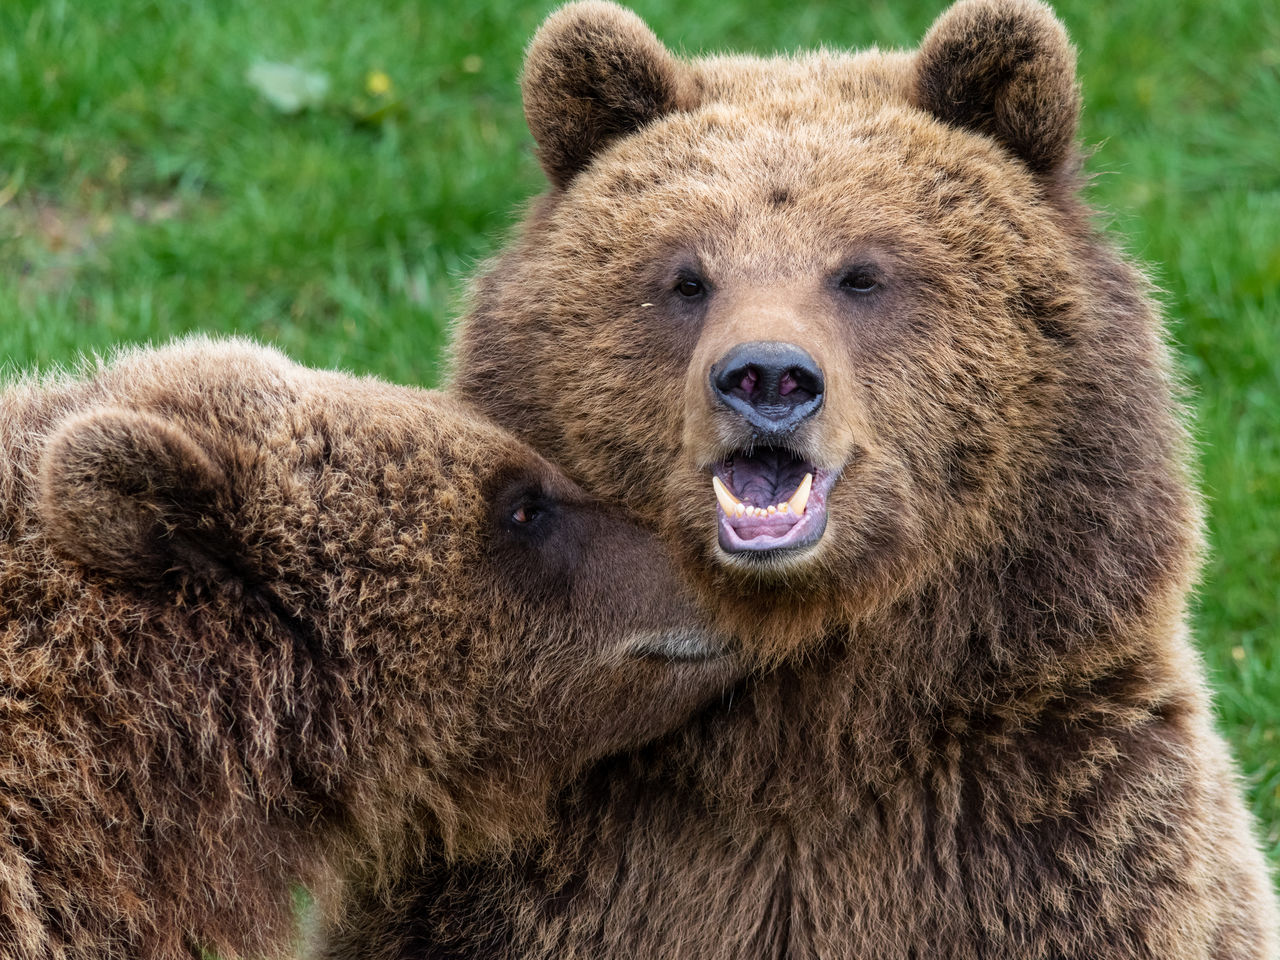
690 287
525 513
525 510
859 280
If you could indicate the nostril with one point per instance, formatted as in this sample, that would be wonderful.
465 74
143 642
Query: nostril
749 379
807 382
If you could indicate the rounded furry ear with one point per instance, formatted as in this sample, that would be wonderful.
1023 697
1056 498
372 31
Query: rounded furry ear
594 72
1006 69
132 496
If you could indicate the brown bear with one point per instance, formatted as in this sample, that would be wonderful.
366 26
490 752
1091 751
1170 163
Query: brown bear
258 619
842 327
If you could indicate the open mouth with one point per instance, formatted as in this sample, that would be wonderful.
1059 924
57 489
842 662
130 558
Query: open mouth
770 499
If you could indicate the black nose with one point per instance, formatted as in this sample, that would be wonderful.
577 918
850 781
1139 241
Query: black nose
776 386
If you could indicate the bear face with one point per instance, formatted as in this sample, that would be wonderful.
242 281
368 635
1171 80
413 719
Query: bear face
259 619
839 322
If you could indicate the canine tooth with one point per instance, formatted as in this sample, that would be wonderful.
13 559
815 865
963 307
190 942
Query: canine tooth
800 498
728 502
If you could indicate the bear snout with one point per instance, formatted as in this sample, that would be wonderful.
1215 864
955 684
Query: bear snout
775 386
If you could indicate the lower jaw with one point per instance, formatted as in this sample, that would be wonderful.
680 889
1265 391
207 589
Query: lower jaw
764 547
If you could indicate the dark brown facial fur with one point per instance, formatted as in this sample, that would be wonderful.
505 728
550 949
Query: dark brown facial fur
986 735
261 623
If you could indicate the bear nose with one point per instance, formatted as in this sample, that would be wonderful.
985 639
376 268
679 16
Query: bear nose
775 386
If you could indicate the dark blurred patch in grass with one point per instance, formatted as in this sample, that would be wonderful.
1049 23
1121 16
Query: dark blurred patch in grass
146 189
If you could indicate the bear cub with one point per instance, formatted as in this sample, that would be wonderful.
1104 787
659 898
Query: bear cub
261 622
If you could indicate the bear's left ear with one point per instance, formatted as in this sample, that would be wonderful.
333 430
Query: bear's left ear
133 496
1004 68
594 72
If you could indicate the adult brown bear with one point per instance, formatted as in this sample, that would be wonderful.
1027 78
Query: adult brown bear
842 328
256 617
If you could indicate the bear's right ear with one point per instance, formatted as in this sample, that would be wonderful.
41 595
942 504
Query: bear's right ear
133 496
594 72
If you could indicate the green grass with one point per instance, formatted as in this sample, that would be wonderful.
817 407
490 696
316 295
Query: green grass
148 190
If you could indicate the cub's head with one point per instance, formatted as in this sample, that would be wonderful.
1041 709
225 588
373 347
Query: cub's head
429 620
835 323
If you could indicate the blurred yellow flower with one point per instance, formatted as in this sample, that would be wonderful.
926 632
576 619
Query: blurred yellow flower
377 83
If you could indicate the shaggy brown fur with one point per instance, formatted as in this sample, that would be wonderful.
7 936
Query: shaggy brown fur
988 735
257 617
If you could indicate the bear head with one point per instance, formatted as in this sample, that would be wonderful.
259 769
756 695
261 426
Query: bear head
838 324
409 615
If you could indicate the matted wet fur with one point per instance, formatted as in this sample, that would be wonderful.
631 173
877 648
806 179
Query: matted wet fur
987 735
260 623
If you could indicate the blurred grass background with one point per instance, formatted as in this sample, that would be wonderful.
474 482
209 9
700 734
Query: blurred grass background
147 189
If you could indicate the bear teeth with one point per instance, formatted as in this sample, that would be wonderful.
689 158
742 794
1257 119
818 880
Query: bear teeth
800 499
728 502
733 507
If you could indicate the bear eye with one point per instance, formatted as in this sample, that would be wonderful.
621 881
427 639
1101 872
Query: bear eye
525 513
690 287
860 280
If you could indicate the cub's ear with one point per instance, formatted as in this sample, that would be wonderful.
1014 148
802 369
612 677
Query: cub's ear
1006 69
594 72
133 496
